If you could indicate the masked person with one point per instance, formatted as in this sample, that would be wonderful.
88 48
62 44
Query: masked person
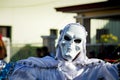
3 52
71 62
71 51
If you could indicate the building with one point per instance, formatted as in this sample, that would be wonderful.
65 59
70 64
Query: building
107 10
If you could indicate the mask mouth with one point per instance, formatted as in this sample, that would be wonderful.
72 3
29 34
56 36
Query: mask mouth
76 56
68 58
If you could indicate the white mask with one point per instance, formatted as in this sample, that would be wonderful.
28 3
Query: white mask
70 45
71 41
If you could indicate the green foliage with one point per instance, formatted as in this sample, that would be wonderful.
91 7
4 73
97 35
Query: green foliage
108 38
24 52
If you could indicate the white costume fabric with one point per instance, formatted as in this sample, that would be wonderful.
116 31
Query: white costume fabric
71 62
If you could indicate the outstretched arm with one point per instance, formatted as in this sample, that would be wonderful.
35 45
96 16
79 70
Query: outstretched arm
118 66
111 71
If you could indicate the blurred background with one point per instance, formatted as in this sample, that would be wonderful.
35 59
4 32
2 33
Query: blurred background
29 24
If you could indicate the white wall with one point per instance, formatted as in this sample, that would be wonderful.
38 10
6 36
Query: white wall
28 24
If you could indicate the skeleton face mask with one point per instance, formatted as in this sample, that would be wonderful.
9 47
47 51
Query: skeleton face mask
71 41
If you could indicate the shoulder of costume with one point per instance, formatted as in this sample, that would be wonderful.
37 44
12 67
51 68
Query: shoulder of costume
45 62
102 64
97 62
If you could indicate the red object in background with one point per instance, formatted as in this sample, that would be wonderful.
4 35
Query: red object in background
0 36
111 60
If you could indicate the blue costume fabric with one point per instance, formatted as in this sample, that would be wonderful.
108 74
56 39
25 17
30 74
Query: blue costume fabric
39 69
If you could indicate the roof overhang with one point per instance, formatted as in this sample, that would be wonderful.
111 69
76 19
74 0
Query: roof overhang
107 5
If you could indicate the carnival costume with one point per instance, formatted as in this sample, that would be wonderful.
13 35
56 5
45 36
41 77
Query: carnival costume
70 63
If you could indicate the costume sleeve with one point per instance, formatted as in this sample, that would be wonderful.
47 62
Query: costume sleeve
118 66
109 71
23 73
36 69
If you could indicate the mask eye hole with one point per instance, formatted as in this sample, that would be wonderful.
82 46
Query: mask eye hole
67 38
77 40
